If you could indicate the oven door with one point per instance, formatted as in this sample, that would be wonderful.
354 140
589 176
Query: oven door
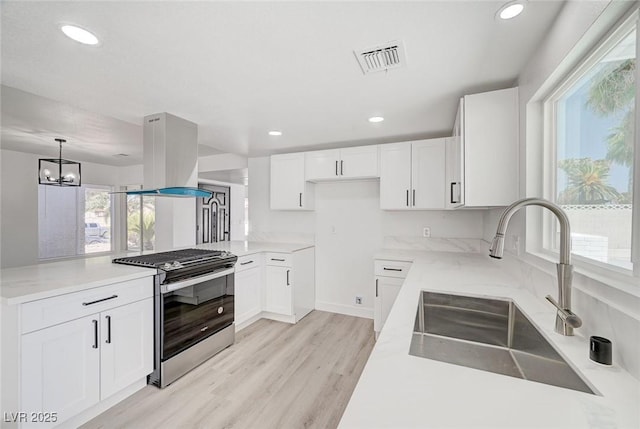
195 309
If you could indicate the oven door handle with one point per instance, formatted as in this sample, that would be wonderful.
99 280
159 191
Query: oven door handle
195 280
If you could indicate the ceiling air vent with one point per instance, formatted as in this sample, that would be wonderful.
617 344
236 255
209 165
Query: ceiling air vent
380 58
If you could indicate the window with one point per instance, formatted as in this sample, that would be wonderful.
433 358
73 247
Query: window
140 221
73 221
592 122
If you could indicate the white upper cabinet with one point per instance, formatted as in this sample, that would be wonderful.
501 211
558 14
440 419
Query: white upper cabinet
484 150
336 164
427 174
412 175
289 190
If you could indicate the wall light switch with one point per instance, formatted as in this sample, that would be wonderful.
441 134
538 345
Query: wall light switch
426 232
358 300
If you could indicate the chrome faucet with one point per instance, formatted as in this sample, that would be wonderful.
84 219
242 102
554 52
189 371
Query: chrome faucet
566 320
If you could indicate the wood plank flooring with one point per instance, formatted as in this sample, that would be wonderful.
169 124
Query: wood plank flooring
276 375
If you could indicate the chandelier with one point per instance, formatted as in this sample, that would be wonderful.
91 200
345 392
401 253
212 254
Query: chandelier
58 171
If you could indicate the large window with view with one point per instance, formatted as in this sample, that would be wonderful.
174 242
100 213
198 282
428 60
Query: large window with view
140 222
73 221
592 153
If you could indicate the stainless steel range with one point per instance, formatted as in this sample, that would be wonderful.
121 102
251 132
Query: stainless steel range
194 305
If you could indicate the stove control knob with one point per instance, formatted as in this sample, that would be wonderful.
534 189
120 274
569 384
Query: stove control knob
167 266
177 265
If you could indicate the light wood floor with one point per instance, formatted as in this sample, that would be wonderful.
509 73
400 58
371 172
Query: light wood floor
276 375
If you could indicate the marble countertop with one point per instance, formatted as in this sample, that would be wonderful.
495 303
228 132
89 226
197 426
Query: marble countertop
397 390
23 284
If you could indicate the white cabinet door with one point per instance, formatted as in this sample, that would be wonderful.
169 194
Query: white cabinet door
279 290
248 294
288 182
359 162
60 368
322 164
428 174
395 175
387 289
454 186
126 345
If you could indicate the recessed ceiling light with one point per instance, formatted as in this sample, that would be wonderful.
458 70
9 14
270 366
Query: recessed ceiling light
79 34
511 10
275 133
375 119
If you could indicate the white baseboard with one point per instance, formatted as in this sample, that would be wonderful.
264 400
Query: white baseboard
249 321
102 406
349 310
278 317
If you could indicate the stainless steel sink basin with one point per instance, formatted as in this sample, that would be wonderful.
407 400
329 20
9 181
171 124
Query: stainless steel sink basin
491 335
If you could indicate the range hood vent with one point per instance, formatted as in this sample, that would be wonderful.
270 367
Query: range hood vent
175 191
381 58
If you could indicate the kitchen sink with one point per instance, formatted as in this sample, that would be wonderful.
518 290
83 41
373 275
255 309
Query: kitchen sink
491 335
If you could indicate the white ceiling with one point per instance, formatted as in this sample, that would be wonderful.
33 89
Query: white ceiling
239 69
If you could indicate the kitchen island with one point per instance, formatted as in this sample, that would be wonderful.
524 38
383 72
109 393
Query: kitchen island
397 390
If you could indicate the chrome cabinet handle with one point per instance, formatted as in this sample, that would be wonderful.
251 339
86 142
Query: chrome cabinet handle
245 263
376 288
277 259
392 269
108 329
288 284
95 334
407 198
336 168
300 199
414 197
100 300
341 168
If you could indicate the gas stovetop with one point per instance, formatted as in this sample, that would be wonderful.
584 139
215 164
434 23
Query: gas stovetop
181 264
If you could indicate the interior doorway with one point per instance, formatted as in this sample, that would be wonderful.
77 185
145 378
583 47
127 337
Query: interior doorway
213 217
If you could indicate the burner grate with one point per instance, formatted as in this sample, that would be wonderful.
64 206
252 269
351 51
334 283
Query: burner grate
154 260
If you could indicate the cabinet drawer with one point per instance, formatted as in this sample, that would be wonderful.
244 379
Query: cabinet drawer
248 261
392 268
278 259
51 311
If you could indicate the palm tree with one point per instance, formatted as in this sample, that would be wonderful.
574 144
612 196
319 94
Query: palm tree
613 93
587 182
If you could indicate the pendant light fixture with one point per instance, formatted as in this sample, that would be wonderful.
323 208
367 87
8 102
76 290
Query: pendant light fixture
58 171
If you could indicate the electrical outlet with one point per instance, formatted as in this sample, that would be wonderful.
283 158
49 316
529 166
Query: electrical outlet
515 244
359 300
426 232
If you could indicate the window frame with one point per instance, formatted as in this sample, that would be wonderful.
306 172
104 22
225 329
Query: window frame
538 245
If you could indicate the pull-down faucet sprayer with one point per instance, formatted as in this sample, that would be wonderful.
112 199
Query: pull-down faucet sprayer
565 319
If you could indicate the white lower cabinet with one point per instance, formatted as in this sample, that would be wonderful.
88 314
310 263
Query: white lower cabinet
61 369
290 292
279 291
389 277
248 294
126 346
67 367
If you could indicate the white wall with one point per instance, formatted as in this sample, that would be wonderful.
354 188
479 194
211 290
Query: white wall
19 201
606 311
348 227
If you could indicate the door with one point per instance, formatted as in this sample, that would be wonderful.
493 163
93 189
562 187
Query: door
126 345
387 289
428 174
287 182
213 217
279 290
248 294
322 164
395 175
359 162
60 368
